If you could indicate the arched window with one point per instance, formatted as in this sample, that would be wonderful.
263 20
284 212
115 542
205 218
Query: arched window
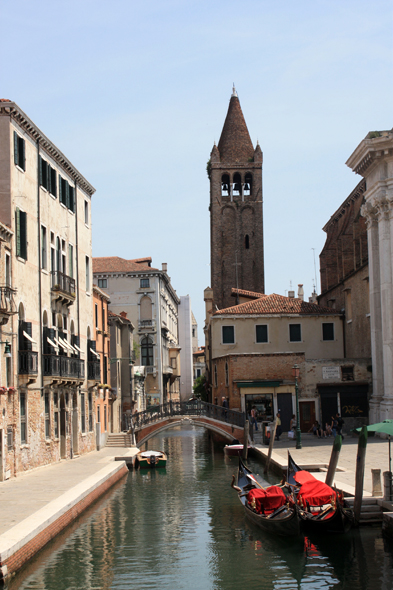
247 242
225 185
147 351
146 310
58 255
237 185
45 319
226 374
247 189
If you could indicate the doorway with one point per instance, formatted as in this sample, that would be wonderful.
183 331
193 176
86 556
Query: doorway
63 428
75 438
307 415
284 406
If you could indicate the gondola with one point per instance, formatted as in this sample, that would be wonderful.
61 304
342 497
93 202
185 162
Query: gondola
321 508
150 459
269 507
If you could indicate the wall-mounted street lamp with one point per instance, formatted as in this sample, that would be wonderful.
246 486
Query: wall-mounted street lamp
296 373
7 349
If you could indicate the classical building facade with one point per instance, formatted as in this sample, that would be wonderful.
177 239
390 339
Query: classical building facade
373 160
236 226
104 398
251 349
147 297
45 205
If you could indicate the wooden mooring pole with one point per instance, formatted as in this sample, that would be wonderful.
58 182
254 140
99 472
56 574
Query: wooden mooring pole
271 443
333 460
245 439
359 478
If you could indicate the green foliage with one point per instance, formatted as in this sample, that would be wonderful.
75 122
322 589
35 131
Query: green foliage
209 168
200 388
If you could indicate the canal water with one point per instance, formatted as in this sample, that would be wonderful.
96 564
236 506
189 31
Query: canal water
183 528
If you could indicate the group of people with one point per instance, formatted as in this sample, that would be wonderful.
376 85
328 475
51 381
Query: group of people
331 429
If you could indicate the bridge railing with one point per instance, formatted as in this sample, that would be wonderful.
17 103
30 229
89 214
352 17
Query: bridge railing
189 408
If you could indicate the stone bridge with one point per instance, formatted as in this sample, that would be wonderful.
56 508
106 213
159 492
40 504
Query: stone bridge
227 423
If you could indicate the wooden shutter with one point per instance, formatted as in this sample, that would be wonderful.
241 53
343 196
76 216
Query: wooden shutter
22 158
17 230
23 234
24 343
67 195
15 148
40 168
60 189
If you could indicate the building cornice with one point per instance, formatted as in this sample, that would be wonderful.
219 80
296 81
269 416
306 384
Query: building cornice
375 146
12 110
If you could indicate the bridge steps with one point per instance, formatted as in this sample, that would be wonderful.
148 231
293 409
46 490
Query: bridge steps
121 439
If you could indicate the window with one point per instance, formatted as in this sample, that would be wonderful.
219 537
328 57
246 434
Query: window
295 333
7 270
147 351
261 333
347 373
19 151
48 177
21 233
53 182
71 260
228 334
71 198
44 261
83 413
10 438
47 420
8 374
56 415
105 419
103 283
173 363
87 274
225 185
23 416
328 331
86 212
66 194
96 314
98 415
90 411
226 374
145 283
44 173
215 376
247 242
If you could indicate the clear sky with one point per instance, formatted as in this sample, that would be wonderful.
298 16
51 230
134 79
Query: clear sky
135 94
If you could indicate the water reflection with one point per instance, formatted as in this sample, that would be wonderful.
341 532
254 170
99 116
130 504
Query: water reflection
183 528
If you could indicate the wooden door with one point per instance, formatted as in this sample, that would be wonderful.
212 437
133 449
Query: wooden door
307 415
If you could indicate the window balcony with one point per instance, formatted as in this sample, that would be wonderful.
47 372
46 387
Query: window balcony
93 371
146 324
63 366
7 304
63 287
28 362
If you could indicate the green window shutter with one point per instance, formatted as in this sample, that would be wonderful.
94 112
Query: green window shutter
49 173
15 148
60 191
53 183
23 234
67 197
23 155
71 205
17 230
40 168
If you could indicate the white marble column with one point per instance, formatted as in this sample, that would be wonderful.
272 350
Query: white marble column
375 310
385 256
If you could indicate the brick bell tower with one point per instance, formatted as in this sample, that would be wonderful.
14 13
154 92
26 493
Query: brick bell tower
236 225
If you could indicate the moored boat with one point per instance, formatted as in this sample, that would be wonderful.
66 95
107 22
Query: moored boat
234 450
322 509
150 459
269 508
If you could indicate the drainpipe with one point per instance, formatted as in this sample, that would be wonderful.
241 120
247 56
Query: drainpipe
344 342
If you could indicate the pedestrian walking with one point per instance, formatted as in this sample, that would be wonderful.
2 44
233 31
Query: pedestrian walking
278 427
254 417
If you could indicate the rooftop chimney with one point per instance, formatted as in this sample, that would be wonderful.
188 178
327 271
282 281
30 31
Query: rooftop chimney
300 292
123 314
164 267
291 294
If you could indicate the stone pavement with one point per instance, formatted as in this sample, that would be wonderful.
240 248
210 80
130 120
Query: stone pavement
317 451
26 494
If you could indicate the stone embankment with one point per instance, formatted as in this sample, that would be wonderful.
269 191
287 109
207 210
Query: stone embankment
37 505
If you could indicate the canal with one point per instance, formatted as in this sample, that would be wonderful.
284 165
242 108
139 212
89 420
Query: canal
183 528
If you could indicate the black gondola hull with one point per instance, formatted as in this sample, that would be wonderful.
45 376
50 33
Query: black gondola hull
340 522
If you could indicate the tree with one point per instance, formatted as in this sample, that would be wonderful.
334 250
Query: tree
200 388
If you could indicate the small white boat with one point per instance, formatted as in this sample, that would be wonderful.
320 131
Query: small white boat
148 459
234 450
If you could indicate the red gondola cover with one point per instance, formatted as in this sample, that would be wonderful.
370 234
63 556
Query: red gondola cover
303 476
267 500
316 493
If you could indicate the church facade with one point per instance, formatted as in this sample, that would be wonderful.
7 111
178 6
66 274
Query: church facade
236 199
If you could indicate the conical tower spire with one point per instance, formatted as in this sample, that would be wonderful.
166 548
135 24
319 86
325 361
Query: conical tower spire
235 144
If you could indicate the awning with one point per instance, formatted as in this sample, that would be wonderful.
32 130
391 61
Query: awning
52 343
68 345
60 344
94 352
78 349
26 335
258 383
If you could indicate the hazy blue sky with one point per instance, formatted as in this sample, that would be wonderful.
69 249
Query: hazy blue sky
135 94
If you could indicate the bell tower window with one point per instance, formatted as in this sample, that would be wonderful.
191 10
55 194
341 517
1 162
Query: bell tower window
237 185
247 189
247 242
225 185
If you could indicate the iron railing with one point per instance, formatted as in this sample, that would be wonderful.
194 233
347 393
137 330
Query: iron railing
62 282
93 371
7 303
28 362
54 365
189 408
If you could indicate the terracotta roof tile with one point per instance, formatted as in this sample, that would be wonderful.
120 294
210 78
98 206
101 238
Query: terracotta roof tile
277 304
235 144
116 264
244 293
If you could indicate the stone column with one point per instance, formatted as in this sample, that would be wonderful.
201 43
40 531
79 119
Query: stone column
369 213
385 252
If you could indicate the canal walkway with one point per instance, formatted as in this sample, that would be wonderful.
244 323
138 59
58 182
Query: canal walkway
38 504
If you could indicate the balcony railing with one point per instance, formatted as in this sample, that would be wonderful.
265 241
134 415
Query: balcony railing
62 283
146 323
28 362
63 366
93 370
7 303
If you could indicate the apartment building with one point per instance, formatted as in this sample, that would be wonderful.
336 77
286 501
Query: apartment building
51 378
145 294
